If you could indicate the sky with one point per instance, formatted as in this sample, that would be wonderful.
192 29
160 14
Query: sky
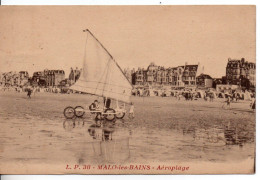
52 37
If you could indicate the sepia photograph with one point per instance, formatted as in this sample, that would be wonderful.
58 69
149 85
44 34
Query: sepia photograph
128 89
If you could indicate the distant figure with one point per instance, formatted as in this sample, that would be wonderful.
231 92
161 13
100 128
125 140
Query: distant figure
29 92
205 97
148 93
179 96
228 101
131 111
253 105
138 92
211 97
237 97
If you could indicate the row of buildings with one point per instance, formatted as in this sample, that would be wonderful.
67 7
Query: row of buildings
157 75
45 78
13 78
238 72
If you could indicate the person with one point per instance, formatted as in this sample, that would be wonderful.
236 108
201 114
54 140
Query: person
211 97
94 107
29 92
253 105
237 97
176 95
148 92
140 92
228 101
205 97
179 96
107 102
131 111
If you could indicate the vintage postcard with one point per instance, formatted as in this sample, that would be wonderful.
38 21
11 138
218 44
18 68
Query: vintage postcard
127 89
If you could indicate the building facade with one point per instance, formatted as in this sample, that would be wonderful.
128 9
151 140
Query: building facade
54 77
23 78
141 76
39 78
152 74
241 73
190 74
48 78
181 76
204 81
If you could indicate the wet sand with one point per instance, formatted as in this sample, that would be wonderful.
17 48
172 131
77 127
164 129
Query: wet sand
34 132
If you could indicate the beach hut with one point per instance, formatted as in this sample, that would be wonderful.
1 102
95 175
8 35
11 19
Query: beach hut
247 96
200 94
149 92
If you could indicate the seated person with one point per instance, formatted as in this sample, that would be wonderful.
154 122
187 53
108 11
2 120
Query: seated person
94 106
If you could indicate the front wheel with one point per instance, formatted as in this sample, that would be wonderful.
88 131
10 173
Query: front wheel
120 115
79 111
109 114
69 112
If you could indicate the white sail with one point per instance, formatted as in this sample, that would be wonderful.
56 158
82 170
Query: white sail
101 75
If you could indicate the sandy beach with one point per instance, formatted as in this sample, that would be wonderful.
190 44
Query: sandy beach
35 132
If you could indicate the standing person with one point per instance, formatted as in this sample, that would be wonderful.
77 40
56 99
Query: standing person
228 101
148 92
131 111
191 96
29 92
253 105
211 97
141 92
205 97
107 102
179 96
237 97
